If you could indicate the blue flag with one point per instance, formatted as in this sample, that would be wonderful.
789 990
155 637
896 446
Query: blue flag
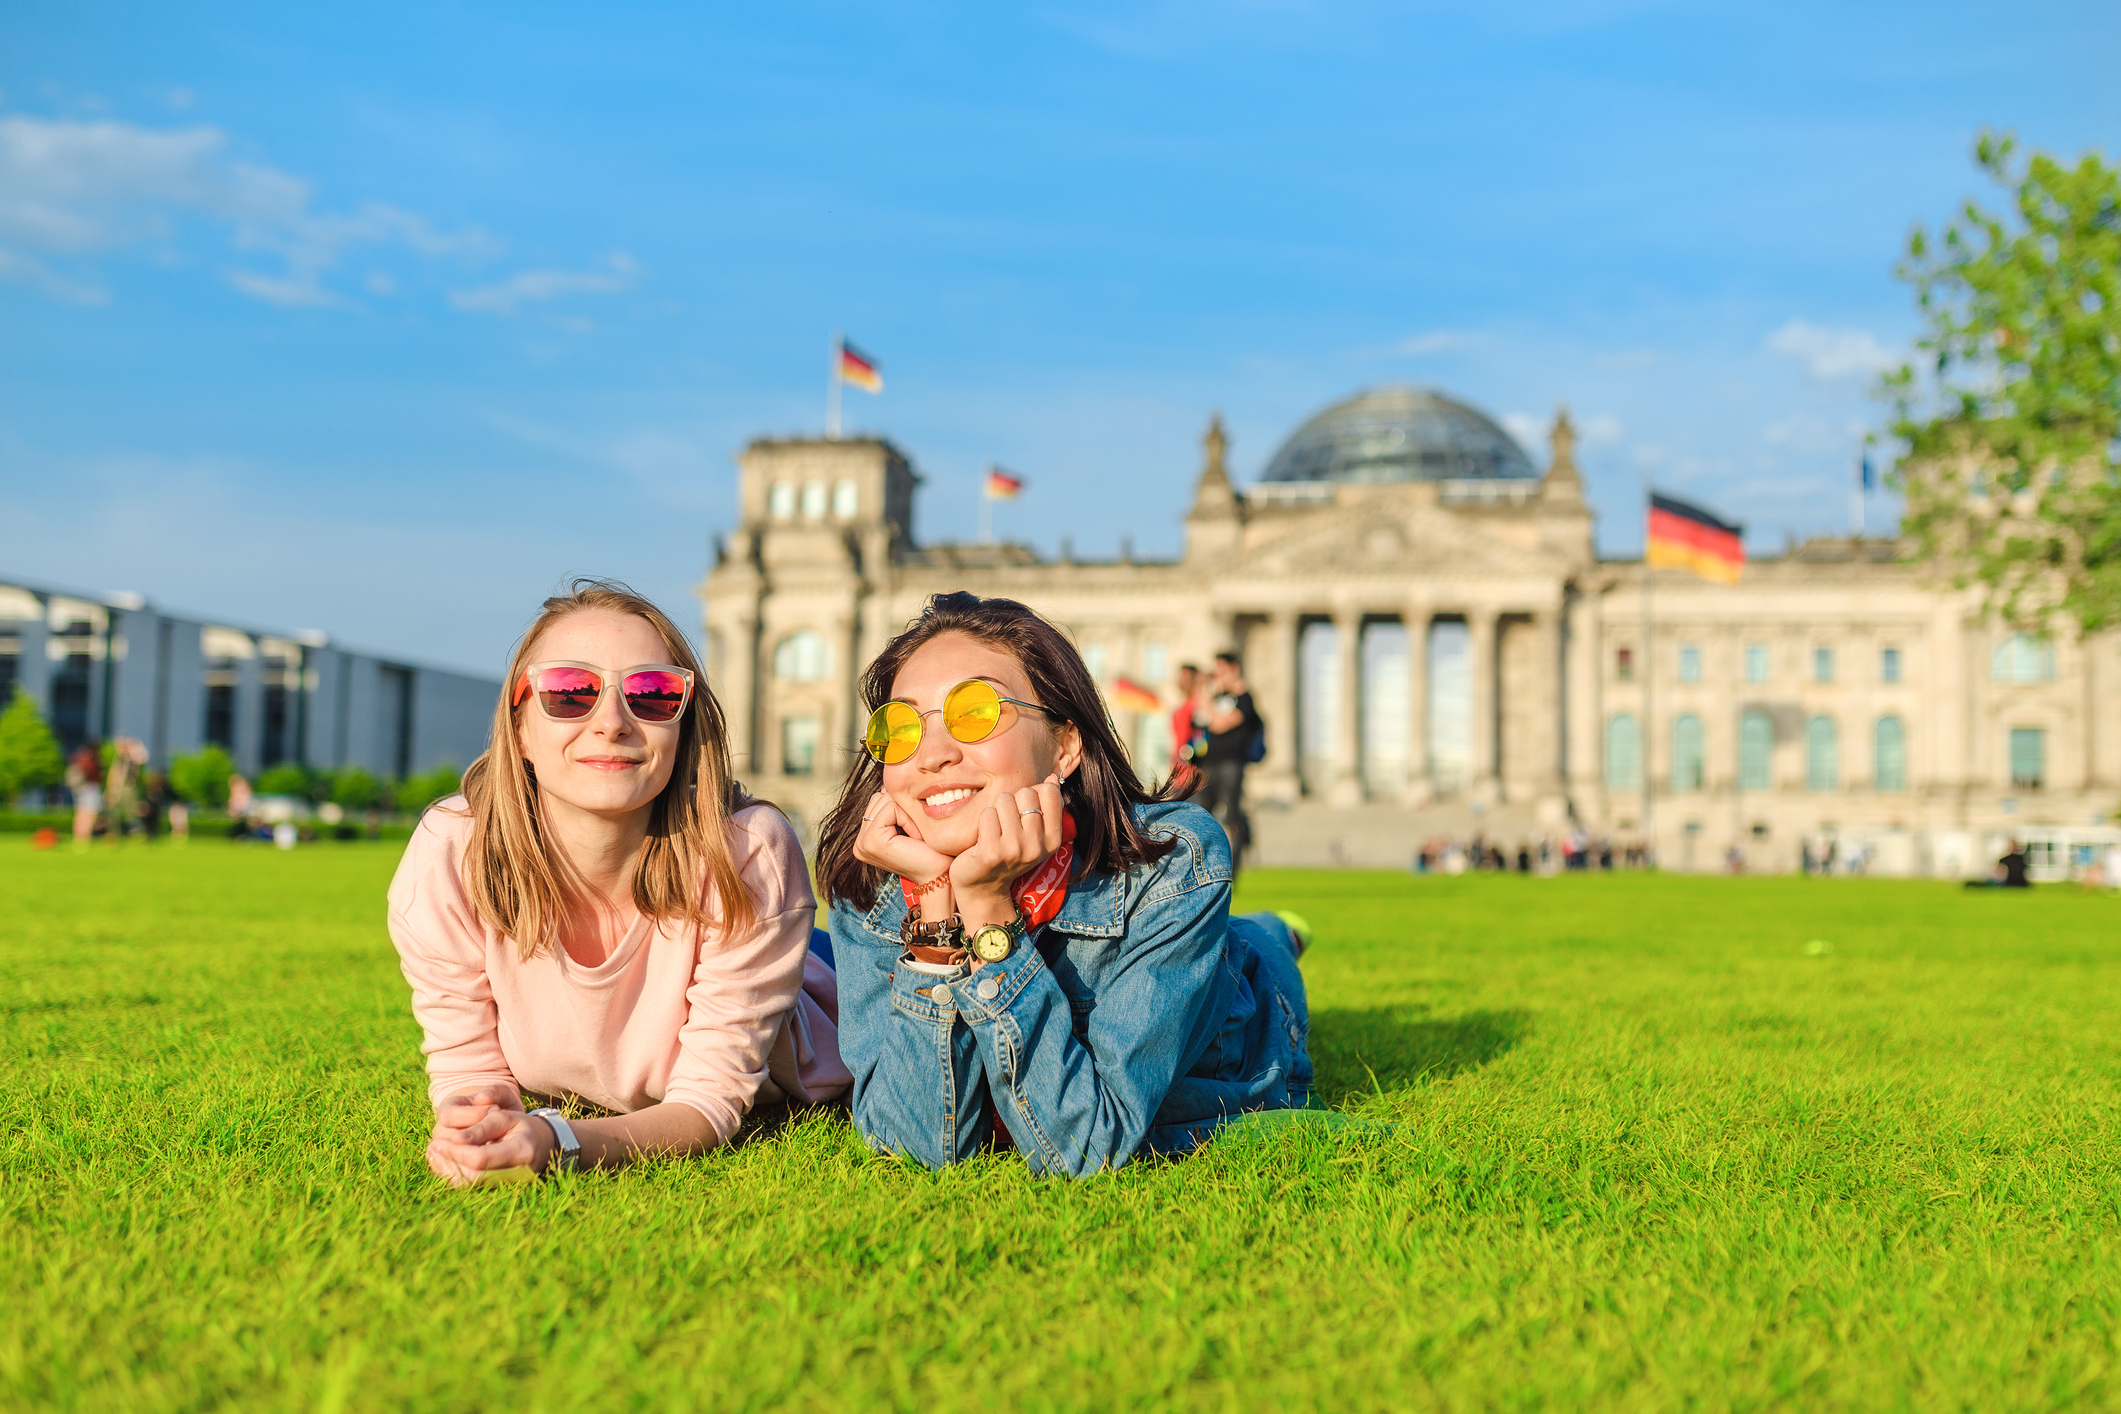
1870 474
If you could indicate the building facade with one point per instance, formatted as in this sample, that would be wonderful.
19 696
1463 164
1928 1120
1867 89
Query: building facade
110 665
1438 650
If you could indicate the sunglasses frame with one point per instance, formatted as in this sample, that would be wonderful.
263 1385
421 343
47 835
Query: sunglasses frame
606 682
1001 696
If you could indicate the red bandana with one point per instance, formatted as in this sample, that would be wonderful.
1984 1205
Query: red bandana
1040 893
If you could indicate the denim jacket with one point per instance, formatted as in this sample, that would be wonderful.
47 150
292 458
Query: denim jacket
1140 1018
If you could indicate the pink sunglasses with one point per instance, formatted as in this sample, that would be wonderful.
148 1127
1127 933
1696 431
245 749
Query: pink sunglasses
568 692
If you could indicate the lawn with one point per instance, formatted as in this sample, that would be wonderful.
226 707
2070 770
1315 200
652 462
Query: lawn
1630 1143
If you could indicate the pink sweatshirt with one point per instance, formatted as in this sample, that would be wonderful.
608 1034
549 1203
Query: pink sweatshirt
715 1025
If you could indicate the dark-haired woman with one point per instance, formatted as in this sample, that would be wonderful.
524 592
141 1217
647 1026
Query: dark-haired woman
1032 948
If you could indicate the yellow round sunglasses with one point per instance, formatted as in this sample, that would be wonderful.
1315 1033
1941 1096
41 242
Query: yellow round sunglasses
972 711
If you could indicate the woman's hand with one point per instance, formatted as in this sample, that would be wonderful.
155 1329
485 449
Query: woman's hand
889 841
486 1129
1014 836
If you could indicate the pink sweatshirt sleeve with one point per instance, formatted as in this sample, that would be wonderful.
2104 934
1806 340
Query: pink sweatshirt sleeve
743 987
442 951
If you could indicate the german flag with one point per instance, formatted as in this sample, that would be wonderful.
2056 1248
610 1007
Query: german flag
859 369
1686 537
1131 696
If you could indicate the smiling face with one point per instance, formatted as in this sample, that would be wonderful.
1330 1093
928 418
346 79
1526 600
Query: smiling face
946 784
607 763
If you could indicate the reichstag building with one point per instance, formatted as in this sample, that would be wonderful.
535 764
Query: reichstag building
1439 651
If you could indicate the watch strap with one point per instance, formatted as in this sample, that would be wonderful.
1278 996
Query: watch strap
570 1151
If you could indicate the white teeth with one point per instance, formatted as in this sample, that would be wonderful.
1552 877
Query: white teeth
950 797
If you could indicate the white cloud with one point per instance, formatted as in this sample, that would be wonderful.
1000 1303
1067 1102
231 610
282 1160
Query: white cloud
72 189
1526 428
1601 427
537 286
1832 353
1435 341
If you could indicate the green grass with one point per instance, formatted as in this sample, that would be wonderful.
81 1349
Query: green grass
1643 1148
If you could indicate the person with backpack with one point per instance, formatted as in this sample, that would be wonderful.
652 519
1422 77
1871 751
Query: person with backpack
1236 739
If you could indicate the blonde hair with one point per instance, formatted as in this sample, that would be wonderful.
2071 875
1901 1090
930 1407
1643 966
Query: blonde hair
517 885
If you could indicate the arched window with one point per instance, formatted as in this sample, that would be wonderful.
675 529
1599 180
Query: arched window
800 657
780 501
1756 751
1687 771
846 499
813 500
1623 753
2022 658
1889 755
1822 754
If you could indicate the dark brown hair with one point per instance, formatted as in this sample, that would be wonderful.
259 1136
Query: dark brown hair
1097 795
521 890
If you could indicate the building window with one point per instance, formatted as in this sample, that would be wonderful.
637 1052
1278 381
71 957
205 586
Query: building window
1687 753
800 657
799 739
1889 754
1156 663
1756 751
1094 660
1822 665
1624 664
2022 658
1756 662
1822 754
813 500
10 660
780 501
2028 758
1889 665
846 500
1689 662
1623 753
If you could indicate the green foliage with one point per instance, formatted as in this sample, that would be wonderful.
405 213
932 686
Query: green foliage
1620 1144
287 778
423 788
2010 471
356 788
29 753
202 777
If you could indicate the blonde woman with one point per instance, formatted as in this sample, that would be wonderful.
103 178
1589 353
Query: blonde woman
603 917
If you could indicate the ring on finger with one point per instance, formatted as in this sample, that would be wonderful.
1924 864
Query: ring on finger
1034 810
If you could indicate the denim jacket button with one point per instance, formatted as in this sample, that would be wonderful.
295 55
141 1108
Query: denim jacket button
942 995
988 989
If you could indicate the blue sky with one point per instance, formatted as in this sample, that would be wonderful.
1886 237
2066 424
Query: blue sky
384 319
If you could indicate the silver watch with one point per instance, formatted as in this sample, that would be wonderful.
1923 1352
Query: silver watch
570 1155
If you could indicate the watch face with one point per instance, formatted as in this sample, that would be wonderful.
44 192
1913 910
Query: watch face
992 944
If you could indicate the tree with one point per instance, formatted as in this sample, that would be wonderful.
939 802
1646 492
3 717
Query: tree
287 778
202 777
423 788
2010 473
355 788
29 753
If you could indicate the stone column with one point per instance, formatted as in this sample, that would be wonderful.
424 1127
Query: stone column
1582 644
740 704
1420 787
1481 672
1274 693
1543 771
1347 747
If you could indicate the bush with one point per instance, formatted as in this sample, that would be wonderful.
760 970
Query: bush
355 788
287 778
29 753
423 788
202 777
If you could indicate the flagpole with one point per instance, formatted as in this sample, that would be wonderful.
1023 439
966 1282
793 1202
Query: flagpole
1649 668
986 508
832 395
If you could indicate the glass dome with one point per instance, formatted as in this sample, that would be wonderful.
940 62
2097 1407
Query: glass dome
1399 434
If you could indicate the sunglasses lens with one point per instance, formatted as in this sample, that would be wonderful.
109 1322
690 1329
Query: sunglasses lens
568 694
894 733
972 710
655 696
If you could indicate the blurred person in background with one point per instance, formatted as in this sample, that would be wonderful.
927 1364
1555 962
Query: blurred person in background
605 919
1034 948
84 777
1189 739
1234 740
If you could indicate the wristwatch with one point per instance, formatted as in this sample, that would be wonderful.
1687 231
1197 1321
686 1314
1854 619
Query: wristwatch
570 1154
997 940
